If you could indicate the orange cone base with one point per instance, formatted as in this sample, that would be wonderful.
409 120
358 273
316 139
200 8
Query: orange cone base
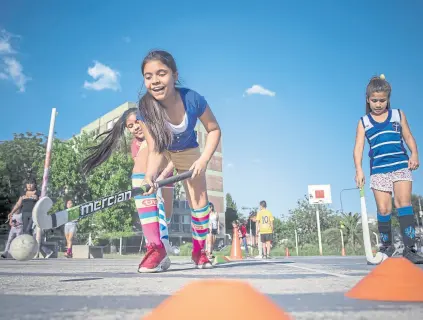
236 299
233 258
395 279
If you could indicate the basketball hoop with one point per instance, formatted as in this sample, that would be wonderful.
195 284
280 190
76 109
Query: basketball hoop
319 194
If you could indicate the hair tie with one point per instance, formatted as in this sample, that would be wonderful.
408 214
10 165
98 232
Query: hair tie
382 76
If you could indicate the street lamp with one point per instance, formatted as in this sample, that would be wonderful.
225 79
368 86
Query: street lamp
340 196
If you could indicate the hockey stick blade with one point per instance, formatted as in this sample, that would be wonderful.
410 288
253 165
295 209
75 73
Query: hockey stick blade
372 260
45 221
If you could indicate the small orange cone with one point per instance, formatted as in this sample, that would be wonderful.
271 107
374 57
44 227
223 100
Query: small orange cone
236 299
395 279
286 252
236 253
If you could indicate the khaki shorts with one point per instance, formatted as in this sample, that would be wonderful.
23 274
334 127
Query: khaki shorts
183 160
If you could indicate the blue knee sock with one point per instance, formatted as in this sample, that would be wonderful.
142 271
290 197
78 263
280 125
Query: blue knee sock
384 227
407 225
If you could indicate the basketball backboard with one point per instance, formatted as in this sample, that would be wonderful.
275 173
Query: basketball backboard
319 194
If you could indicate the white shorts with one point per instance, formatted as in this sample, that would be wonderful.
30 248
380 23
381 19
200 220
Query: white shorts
385 181
70 227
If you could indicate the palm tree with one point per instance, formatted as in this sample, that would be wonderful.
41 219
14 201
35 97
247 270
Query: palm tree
351 228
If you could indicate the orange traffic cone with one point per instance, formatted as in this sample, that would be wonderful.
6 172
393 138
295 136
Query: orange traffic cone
236 253
395 279
286 252
236 299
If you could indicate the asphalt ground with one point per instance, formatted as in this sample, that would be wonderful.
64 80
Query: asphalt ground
304 287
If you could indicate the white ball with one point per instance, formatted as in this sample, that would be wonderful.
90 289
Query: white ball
24 247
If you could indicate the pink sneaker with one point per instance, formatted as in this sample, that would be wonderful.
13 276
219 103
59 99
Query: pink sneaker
155 260
201 260
68 254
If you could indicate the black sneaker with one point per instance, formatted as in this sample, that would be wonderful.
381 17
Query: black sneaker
412 255
4 256
388 250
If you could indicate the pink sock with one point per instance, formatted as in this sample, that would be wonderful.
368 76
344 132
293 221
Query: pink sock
200 226
149 217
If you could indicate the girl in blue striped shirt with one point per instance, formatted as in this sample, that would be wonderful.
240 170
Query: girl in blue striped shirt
386 129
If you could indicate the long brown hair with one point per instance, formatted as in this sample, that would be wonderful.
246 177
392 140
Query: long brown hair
377 84
104 149
153 113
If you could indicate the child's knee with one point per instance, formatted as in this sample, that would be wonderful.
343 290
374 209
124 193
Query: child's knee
384 210
402 203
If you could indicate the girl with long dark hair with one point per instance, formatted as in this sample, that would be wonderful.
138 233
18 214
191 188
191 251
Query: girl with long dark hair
112 139
168 115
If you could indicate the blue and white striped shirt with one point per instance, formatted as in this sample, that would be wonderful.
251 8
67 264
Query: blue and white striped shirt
387 152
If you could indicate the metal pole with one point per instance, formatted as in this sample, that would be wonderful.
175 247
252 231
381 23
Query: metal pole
296 240
120 246
251 239
318 230
46 170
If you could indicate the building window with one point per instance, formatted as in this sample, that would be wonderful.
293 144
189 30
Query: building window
175 224
109 124
186 224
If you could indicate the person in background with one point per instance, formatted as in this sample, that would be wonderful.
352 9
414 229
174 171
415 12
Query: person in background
243 230
70 231
214 229
265 228
16 229
25 205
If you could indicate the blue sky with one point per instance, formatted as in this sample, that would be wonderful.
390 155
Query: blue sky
314 58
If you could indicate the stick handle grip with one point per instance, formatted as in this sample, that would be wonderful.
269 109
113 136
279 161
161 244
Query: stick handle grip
173 179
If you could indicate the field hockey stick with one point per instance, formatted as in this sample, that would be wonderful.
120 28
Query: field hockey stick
366 234
45 221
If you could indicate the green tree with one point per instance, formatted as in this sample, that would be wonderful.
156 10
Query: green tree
351 229
303 219
231 213
109 178
415 204
20 158
279 231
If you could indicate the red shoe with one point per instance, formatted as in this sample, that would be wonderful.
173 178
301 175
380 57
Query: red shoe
201 261
155 260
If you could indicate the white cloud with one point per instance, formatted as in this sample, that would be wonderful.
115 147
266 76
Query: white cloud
5 44
258 89
11 68
104 76
127 39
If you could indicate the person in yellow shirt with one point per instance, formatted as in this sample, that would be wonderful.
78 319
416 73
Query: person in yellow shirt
264 226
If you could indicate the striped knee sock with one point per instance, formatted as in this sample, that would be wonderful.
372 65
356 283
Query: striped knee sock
164 231
199 226
147 212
